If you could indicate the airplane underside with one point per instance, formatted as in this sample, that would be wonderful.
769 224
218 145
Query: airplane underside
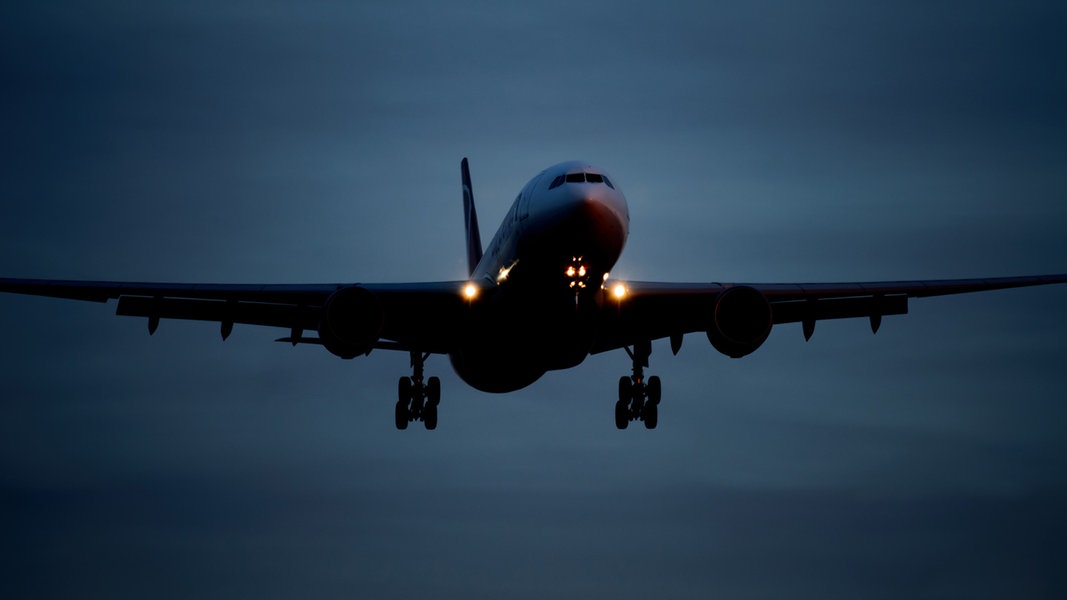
500 354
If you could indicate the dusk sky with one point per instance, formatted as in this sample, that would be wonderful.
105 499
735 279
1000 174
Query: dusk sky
320 142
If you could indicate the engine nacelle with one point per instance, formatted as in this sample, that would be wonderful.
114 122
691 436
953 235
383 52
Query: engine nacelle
741 321
352 322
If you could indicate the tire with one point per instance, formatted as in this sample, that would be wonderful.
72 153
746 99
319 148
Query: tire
626 389
622 414
401 415
429 417
403 392
433 392
651 416
622 407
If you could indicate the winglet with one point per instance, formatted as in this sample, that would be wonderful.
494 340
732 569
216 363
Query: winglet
470 221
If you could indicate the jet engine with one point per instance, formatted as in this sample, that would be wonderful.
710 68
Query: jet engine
741 321
352 322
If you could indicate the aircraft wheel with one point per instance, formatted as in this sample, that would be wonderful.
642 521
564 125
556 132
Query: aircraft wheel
401 415
651 415
404 398
429 417
433 393
622 414
653 390
622 407
626 389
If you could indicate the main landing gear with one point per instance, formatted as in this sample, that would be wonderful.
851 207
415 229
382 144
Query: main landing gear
638 398
417 400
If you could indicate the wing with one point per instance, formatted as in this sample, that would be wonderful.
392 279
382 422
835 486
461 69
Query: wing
668 310
416 316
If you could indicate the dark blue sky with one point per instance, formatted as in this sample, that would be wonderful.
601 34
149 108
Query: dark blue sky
320 142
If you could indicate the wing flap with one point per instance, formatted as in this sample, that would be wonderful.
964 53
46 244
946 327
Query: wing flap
287 316
798 311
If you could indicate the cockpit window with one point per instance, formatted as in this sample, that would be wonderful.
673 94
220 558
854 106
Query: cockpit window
580 178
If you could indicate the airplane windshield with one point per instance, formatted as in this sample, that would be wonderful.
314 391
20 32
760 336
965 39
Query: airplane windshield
580 178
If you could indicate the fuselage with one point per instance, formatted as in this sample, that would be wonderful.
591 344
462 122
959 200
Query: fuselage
540 278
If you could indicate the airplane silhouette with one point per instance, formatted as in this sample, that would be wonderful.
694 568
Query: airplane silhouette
539 298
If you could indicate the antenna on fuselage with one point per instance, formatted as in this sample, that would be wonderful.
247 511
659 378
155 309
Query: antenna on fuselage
470 220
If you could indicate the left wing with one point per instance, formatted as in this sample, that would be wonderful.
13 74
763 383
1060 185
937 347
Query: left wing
416 316
649 311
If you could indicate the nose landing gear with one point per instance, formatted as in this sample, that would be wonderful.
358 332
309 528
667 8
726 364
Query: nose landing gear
638 398
417 401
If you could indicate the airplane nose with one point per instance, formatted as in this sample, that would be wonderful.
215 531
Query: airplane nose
582 223
596 218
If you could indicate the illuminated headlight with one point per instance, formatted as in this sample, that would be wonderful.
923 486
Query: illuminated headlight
577 273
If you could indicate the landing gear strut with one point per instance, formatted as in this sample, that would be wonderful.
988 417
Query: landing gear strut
638 398
417 401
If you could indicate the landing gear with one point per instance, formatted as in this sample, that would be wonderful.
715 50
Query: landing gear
417 401
638 398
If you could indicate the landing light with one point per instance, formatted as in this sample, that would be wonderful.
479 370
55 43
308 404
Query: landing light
470 291
502 276
578 273
619 291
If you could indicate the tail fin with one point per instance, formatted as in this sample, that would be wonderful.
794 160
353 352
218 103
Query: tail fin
470 221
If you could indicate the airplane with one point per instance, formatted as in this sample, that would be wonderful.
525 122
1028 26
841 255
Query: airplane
538 298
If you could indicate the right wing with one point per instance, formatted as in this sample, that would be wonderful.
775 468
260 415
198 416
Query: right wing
653 310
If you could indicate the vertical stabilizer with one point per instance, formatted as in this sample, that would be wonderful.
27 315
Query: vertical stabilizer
470 221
